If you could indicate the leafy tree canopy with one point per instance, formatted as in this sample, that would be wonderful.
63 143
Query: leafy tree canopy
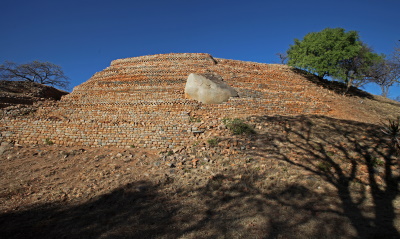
330 52
40 72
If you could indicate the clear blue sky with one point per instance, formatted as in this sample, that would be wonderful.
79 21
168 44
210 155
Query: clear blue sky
84 36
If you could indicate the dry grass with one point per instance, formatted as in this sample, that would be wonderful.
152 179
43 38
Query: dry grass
298 177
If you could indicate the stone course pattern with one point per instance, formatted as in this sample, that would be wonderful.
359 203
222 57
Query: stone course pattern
140 101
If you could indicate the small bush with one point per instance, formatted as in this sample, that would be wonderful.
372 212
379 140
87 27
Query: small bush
392 129
194 119
330 153
213 142
195 144
324 166
237 126
48 141
377 162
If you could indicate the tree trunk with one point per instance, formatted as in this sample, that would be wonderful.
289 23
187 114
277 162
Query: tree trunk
349 82
385 90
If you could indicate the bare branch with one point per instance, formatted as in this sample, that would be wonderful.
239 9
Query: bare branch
385 74
283 57
36 71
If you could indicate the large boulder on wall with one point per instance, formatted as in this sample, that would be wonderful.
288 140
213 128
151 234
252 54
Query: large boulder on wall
208 89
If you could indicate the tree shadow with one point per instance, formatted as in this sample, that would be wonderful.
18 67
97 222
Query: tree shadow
135 210
229 205
238 207
335 86
352 157
247 202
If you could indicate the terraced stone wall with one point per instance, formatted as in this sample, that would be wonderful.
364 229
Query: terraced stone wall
140 101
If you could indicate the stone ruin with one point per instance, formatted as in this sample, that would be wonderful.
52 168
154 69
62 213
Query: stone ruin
141 101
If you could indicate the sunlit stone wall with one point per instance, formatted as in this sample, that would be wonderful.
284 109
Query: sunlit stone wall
140 101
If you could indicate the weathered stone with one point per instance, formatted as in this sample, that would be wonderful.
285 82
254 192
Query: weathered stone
139 102
208 89
4 147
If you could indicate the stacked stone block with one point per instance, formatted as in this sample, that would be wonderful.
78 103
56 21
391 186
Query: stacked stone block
140 101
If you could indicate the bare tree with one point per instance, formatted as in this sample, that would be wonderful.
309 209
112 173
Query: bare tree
283 57
385 74
396 53
40 72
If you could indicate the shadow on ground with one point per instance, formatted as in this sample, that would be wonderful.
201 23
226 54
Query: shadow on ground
335 86
227 207
352 157
246 203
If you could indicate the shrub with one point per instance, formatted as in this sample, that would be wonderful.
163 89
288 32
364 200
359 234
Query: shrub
392 129
324 166
213 142
237 126
195 143
48 141
377 162
194 119
330 153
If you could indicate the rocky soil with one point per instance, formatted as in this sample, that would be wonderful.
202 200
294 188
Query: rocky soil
296 177
21 98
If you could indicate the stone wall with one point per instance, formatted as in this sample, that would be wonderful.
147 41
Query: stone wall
140 101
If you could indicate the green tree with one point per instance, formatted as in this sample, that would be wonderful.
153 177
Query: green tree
40 72
333 52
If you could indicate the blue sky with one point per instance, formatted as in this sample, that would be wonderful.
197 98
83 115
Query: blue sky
84 36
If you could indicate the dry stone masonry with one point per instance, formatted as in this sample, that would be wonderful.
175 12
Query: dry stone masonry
141 101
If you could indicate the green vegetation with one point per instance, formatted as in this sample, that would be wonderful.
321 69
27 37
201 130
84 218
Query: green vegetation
392 130
324 166
194 119
377 162
169 153
237 126
330 153
213 142
48 141
195 143
334 53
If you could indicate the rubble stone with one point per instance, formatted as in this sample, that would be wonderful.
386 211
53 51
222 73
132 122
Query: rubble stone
140 101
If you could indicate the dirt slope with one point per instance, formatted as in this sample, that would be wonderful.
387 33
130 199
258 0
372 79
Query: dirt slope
25 92
21 98
298 177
